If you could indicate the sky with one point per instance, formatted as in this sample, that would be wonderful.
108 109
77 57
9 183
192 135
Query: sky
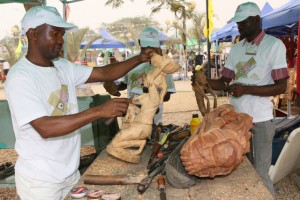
92 13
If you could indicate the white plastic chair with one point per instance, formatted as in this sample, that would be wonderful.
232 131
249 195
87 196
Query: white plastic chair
289 158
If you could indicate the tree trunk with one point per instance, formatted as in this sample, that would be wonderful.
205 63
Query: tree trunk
34 3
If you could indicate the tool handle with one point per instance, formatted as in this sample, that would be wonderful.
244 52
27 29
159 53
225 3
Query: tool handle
156 148
161 184
109 180
163 196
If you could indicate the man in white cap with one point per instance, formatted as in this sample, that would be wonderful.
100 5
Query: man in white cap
132 81
40 90
256 68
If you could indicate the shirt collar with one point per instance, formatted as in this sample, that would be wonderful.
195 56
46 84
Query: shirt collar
257 40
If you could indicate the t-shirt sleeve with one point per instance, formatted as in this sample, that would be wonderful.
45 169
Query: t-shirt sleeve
81 74
279 56
71 73
278 62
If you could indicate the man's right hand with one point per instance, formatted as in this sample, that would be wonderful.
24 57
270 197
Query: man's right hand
146 54
116 107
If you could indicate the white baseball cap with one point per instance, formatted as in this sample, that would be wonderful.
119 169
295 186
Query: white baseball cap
149 37
244 11
39 15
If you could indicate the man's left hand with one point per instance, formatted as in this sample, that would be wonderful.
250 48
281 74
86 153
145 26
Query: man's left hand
146 54
236 90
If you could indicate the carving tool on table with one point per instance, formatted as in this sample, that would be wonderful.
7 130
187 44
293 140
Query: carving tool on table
161 184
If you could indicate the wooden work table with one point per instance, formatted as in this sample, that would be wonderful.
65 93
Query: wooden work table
241 184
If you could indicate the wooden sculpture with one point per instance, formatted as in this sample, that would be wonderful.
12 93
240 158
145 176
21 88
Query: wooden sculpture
220 144
130 141
200 87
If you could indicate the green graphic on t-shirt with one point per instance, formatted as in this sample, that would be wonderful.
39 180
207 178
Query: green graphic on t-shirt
136 81
59 100
243 68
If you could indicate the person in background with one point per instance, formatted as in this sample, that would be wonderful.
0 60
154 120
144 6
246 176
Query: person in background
199 58
133 82
256 69
84 62
100 60
44 111
191 61
169 53
6 67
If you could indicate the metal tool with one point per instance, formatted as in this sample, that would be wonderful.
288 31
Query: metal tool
156 146
145 183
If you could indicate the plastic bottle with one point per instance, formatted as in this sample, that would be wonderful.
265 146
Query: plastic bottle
194 123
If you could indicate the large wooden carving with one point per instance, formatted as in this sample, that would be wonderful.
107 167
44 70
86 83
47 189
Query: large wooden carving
220 144
130 141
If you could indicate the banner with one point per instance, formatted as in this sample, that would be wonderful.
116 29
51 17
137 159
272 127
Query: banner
209 17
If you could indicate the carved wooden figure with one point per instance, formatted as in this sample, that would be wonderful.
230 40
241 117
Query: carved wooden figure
130 141
200 87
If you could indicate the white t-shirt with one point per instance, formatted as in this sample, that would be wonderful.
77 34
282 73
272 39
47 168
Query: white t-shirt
33 92
250 69
100 61
133 79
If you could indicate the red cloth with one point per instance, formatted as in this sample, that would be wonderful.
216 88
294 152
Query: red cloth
84 62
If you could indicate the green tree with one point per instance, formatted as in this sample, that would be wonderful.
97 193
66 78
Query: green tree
9 45
196 31
73 43
10 55
128 29
179 7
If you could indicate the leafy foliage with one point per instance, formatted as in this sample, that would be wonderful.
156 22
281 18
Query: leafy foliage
128 29
74 39
114 3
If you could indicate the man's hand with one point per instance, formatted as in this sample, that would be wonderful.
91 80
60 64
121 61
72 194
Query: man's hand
146 54
236 90
116 107
112 88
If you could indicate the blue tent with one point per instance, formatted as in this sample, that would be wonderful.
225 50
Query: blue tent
107 41
226 32
283 20
230 30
